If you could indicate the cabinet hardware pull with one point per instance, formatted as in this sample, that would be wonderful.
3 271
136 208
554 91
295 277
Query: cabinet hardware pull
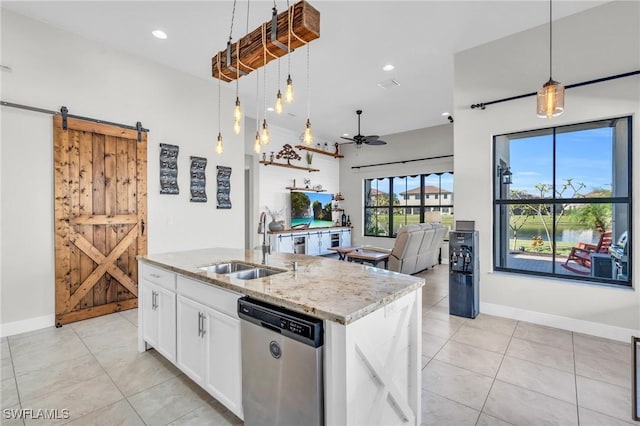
200 324
153 300
203 330
141 226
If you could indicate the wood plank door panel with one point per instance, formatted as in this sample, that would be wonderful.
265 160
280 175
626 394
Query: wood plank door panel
100 218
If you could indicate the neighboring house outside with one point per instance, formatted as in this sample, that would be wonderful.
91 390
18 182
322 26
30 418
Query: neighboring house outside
434 197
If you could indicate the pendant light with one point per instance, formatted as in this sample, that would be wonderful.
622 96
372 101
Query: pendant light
278 107
264 135
551 95
308 134
288 93
257 147
237 112
219 147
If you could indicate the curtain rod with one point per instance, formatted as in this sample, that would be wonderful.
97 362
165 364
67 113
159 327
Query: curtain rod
402 161
482 105
64 113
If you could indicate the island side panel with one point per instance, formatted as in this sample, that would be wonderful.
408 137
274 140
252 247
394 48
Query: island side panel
373 366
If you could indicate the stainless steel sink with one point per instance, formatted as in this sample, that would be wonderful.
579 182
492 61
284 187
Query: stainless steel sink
252 274
226 268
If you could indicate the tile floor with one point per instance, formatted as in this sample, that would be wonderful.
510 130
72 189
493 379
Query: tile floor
487 371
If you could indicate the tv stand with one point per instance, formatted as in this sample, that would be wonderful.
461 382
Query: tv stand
311 241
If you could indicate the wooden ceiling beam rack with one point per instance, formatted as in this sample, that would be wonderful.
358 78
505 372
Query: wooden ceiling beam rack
263 45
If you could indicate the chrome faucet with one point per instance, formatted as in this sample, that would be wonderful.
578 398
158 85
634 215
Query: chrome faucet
262 229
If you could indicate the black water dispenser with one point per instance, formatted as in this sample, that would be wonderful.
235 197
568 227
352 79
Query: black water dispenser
464 296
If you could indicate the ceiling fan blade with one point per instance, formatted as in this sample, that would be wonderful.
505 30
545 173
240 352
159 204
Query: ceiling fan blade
347 143
348 139
372 137
375 142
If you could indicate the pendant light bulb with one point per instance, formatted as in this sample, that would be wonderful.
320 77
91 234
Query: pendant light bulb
288 93
279 107
308 134
550 99
264 136
219 147
257 147
237 117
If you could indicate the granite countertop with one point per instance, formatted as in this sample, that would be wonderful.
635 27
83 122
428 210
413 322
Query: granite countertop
324 288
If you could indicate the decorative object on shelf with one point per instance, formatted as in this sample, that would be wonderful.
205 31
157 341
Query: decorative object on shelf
198 180
279 36
319 151
325 147
337 153
275 224
294 183
551 96
288 153
169 169
309 157
317 188
343 219
264 156
348 220
224 187
307 182
338 196
271 157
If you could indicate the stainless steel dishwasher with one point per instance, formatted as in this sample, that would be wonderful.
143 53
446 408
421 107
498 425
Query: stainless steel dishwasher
282 366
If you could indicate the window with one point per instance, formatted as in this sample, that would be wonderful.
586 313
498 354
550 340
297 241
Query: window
562 202
389 204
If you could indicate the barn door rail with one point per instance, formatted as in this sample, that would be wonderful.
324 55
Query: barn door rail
64 112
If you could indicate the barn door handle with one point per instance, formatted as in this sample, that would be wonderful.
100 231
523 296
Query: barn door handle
141 226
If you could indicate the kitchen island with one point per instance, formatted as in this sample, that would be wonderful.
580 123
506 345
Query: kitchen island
372 326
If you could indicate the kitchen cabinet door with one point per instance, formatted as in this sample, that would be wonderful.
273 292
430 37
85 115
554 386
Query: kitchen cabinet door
313 244
191 340
284 243
345 237
224 371
159 319
324 242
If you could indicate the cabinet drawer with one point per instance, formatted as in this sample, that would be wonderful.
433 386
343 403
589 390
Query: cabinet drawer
221 300
159 276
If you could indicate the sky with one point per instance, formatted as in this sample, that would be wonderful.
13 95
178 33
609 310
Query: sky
584 156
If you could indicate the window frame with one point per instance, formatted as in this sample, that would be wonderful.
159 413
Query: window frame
553 201
407 208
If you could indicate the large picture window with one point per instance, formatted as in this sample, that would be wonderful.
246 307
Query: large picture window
392 202
562 202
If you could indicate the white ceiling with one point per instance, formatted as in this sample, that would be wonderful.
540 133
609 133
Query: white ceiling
357 39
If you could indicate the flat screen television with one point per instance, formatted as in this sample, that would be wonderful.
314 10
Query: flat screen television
311 209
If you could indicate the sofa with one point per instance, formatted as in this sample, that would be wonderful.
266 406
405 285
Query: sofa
417 247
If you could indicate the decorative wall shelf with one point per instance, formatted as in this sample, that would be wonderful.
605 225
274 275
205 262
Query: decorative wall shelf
288 166
320 151
305 189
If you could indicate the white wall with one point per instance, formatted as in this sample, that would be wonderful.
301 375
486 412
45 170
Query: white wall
422 143
599 42
51 68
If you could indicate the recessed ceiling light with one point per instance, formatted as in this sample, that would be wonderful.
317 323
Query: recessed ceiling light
388 67
444 114
270 109
345 134
159 34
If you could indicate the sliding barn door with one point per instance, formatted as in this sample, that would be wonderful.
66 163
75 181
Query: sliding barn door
100 217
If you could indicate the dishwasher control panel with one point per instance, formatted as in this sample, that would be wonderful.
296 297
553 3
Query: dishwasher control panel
292 324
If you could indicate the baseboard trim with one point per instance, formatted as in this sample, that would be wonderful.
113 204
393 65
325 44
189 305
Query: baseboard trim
23 326
565 323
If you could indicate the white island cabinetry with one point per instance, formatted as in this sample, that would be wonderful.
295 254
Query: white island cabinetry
158 304
371 318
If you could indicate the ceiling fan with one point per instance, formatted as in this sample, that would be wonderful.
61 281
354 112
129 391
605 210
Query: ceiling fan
360 139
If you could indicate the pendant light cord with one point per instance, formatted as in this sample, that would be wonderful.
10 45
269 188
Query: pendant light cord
233 14
308 94
550 40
